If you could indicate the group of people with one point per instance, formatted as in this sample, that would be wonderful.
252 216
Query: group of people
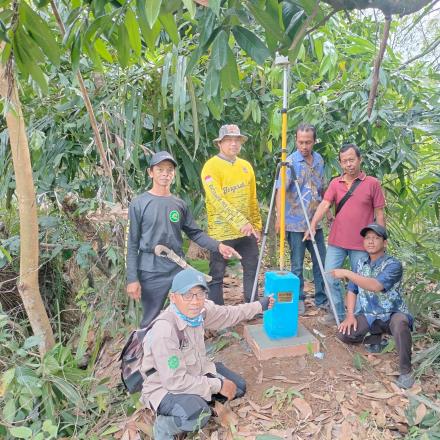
179 380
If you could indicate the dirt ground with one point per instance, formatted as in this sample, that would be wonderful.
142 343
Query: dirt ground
348 394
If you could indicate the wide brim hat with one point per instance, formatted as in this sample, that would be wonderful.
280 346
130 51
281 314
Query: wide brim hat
229 130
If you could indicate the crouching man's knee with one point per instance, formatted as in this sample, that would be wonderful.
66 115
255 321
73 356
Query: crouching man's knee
196 414
347 339
179 413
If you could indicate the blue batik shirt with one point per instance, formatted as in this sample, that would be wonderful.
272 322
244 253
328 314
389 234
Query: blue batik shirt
311 183
380 305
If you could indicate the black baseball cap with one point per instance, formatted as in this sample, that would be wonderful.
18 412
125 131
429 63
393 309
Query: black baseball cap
378 229
160 156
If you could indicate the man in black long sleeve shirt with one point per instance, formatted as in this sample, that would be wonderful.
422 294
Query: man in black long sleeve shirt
159 217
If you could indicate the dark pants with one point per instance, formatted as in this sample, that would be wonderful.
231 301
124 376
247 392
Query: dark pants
189 411
398 326
297 251
154 290
247 247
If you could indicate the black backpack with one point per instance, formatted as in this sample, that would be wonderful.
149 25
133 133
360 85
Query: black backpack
132 355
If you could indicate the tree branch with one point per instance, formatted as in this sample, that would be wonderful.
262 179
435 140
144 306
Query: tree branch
388 7
321 23
86 100
377 63
430 48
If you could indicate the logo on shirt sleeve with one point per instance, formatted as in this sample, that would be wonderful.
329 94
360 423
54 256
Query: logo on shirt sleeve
174 216
208 179
173 362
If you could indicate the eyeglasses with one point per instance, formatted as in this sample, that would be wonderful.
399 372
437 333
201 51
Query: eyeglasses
187 297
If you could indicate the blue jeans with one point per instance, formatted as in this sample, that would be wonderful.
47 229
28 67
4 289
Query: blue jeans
334 260
297 252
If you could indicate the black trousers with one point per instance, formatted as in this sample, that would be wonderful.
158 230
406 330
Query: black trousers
247 247
398 326
190 411
155 287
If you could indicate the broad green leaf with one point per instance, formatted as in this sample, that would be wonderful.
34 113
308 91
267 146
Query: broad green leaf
7 378
94 56
295 23
27 46
150 35
206 26
169 24
6 254
50 428
32 341
215 6
229 74
215 106
179 95
40 32
212 82
251 44
325 66
21 432
165 75
152 9
133 32
195 117
123 46
75 52
82 343
101 48
219 50
269 22
97 27
308 5
293 54
27 65
9 410
69 392
318 45
111 430
191 6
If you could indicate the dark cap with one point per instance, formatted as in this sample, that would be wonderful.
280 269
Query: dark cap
160 157
187 279
378 229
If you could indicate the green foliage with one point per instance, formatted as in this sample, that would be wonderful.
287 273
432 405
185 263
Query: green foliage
49 397
282 397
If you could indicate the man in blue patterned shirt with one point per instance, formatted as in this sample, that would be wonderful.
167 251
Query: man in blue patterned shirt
377 284
309 169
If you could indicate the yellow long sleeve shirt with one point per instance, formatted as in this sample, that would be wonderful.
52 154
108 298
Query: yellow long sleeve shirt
231 197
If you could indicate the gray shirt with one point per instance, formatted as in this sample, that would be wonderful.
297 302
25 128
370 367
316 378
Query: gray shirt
157 220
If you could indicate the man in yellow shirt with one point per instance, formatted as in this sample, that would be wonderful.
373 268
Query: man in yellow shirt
232 209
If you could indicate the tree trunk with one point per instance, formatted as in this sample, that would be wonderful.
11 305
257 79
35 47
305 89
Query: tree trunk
29 245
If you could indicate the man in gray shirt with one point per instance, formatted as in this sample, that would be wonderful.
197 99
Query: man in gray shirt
159 217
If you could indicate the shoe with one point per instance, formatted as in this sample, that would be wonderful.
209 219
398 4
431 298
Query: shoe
327 319
301 307
405 381
376 348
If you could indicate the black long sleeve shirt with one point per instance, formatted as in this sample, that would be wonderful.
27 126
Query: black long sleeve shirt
157 220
